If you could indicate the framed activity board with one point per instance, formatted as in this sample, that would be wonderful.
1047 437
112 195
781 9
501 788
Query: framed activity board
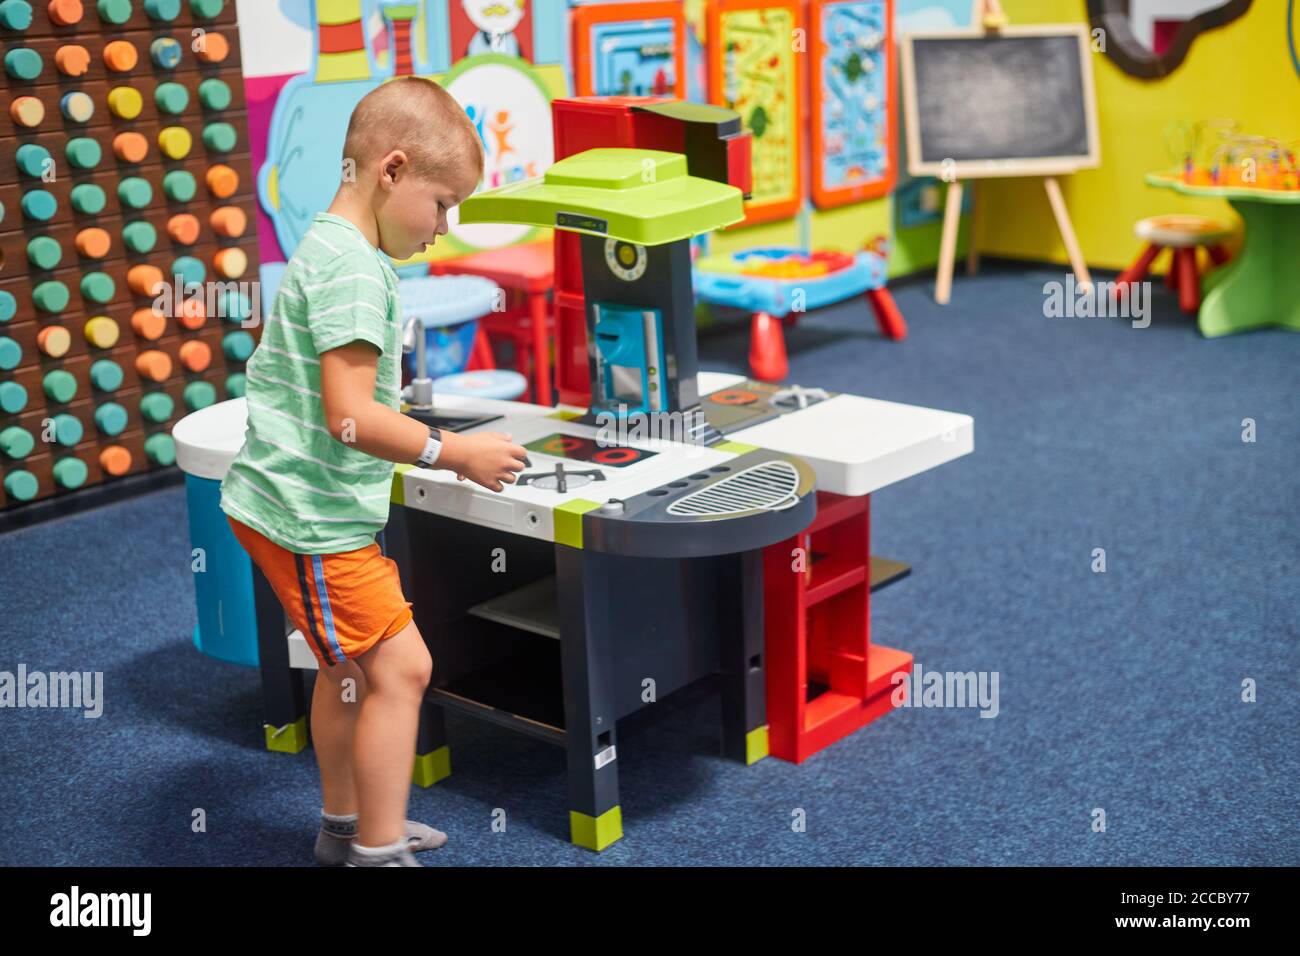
852 100
630 49
755 69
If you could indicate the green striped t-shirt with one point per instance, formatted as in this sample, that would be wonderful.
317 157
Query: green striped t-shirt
293 481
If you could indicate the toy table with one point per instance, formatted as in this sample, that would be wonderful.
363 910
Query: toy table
853 445
779 282
530 269
1261 286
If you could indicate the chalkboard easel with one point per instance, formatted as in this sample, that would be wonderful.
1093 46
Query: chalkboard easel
999 101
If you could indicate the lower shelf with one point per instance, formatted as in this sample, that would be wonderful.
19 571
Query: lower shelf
885 571
522 692
531 608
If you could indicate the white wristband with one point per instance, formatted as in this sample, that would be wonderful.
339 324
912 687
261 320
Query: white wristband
432 449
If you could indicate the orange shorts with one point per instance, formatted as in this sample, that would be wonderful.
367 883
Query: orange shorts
343 604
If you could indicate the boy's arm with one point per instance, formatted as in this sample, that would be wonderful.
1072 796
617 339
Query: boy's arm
347 380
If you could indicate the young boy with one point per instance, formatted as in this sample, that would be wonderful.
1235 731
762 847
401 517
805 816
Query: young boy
310 488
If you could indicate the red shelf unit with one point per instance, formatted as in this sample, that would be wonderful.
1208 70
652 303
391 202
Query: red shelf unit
825 678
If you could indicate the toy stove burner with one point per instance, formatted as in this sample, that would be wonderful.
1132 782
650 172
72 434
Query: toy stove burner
796 397
734 396
560 480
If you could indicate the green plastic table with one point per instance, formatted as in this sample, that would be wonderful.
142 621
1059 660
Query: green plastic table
1261 286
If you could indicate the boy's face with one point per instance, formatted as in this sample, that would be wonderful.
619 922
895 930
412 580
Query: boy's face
414 211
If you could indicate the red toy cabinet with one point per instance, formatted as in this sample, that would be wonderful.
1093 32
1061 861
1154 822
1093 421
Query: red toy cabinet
825 678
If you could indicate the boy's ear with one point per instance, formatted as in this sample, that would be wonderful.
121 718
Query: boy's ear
393 167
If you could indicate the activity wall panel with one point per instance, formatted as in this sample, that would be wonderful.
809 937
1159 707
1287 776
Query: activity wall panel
756 69
124 164
852 100
630 49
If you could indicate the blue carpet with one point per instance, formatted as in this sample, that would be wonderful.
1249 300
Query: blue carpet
1119 691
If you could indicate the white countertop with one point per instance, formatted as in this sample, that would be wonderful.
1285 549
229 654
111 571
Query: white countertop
856 445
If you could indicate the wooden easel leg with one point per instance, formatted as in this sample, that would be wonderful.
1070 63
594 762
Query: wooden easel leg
948 243
972 240
1067 233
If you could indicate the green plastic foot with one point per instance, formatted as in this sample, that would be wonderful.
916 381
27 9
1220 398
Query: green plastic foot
289 739
1260 287
756 746
596 833
432 767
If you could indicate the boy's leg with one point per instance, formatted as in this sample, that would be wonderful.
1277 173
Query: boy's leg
335 706
397 672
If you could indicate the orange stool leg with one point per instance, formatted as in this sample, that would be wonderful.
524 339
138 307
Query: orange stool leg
888 317
1189 282
1171 276
1140 267
1218 254
767 358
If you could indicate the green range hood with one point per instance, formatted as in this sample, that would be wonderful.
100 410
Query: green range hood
642 196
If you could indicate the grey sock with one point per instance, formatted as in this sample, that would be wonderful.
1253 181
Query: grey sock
336 832
397 854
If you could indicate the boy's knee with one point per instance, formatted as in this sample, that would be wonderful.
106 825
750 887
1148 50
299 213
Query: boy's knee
408 670
422 670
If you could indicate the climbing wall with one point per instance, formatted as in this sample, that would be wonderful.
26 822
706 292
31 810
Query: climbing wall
123 165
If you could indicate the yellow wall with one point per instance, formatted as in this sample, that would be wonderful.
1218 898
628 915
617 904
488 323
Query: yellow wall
1240 71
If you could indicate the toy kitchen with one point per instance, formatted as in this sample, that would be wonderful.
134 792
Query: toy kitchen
648 544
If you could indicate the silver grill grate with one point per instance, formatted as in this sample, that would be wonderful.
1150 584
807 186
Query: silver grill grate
763 486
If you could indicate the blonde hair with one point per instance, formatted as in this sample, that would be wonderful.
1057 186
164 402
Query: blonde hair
420 118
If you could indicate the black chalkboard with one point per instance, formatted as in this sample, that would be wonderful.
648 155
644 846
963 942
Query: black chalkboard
989 98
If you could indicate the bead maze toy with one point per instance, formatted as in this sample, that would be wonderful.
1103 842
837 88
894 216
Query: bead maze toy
1217 153
125 165
776 284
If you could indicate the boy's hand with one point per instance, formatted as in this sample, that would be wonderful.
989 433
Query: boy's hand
490 459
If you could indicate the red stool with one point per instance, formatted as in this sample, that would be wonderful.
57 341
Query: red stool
528 268
1181 235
